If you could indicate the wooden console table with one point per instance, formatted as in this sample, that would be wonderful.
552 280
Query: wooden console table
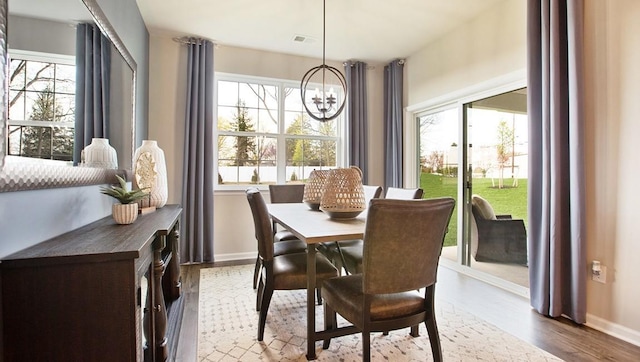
103 292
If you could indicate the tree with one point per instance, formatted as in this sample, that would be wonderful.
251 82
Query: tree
47 142
504 148
435 161
245 145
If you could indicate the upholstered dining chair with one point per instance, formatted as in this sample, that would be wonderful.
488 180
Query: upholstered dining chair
285 193
333 249
402 245
352 254
281 272
285 241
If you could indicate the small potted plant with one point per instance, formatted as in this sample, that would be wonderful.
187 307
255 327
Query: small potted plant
126 211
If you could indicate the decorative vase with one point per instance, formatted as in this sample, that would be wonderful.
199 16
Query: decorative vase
124 213
150 173
313 188
343 194
100 154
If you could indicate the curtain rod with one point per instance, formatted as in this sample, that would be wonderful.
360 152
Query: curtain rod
192 40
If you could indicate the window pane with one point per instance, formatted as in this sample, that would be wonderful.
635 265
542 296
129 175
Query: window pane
248 94
269 96
267 122
65 107
292 101
65 79
17 73
16 105
227 93
226 116
245 160
40 76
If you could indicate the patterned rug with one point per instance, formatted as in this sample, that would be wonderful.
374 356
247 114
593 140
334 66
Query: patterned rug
228 324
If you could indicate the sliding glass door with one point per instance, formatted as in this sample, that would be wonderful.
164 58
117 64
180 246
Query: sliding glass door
479 149
497 134
439 162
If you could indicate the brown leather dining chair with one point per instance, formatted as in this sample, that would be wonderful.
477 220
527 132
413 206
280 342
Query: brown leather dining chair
286 242
285 193
352 254
402 245
281 272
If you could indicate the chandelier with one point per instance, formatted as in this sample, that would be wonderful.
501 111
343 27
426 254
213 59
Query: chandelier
325 104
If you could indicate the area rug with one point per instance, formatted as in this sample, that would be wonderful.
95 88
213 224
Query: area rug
228 324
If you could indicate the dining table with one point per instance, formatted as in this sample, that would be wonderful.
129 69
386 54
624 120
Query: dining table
314 227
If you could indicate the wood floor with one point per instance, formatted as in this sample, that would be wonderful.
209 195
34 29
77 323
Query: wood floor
505 310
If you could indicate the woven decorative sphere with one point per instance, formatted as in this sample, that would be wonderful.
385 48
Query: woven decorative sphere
343 195
313 188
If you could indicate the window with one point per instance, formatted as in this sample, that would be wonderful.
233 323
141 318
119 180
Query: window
265 136
41 106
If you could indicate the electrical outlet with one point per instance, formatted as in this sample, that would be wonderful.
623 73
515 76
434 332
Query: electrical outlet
600 277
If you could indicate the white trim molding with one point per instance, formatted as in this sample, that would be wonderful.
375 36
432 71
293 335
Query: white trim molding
613 329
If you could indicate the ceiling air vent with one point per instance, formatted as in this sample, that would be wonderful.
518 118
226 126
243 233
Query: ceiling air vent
303 39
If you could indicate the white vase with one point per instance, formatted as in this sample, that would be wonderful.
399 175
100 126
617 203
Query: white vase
100 154
150 173
124 213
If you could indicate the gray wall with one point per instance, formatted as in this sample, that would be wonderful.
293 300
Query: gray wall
41 35
29 217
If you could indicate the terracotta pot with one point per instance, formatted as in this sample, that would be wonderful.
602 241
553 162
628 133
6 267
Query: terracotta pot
125 213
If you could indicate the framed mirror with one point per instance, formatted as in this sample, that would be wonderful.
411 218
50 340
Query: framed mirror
42 55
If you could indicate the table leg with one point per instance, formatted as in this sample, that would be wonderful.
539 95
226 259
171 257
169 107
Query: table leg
311 302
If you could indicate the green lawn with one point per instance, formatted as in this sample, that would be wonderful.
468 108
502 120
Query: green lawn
508 200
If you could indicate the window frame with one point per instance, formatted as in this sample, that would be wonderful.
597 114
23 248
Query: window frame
281 137
43 57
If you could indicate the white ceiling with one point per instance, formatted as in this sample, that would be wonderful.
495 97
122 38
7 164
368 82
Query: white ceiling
366 30
375 31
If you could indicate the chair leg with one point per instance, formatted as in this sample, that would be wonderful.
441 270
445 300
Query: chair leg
432 328
256 272
264 308
366 346
330 322
434 339
259 294
414 331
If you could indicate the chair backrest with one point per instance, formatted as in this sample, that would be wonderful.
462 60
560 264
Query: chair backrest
371 192
481 208
286 193
261 222
402 243
403 194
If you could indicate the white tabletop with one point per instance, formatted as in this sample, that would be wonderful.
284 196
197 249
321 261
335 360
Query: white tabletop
315 226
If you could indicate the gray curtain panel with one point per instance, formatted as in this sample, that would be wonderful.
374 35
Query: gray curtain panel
93 72
357 116
196 235
557 265
393 85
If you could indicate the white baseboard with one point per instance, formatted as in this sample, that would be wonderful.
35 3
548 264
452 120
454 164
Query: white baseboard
234 256
613 329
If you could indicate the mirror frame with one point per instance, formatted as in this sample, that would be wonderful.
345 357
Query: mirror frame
33 176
